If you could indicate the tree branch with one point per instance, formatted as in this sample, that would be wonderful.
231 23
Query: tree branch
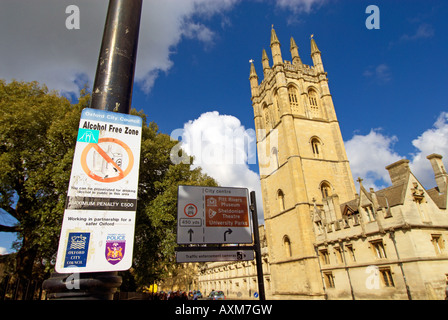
9 228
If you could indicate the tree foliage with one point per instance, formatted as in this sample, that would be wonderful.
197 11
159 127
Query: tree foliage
38 130
37 138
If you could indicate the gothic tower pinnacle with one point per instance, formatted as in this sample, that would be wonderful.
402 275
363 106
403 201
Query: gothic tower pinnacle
316 56
275 48
253 78
295 53
265 61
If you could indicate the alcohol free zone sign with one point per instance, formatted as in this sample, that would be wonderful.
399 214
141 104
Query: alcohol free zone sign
213 215
98 228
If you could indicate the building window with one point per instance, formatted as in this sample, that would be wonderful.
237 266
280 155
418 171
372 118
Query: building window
356 219
421 209
316 148
324 256
386 277
369 213
275 156
281 200
320 227
276 105
325 189
267 118
314 105
437 242
351 252
287 244
313 98
378 248
293 101
338 253
267 281
329 279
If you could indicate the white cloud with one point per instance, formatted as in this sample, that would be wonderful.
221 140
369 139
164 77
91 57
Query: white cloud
41 48
211 7
380 73
423 31
199 31
369 155
164 23
298 6
433 140
3 251
222 147
38 46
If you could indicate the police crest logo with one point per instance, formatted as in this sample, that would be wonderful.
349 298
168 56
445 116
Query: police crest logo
115 248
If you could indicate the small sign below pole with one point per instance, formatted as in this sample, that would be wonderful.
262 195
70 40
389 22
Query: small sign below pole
213 256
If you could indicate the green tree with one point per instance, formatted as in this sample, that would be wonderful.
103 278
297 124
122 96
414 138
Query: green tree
37 138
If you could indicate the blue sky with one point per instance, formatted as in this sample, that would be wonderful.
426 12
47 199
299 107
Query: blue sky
389 85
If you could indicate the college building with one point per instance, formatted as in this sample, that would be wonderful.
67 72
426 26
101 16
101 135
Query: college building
325 236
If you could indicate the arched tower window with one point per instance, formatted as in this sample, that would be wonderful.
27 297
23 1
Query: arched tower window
314 103
293 100
287 245
276 106
281 200
325 189
275 157
316 147
267 117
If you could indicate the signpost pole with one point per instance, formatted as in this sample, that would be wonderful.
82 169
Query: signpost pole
257 248
114 79
112 91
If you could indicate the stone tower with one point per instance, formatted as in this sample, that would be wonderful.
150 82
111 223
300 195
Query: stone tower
303 164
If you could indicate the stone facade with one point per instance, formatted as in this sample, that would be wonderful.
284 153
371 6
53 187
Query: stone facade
389 244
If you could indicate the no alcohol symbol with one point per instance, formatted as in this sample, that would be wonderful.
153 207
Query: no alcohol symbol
105 165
